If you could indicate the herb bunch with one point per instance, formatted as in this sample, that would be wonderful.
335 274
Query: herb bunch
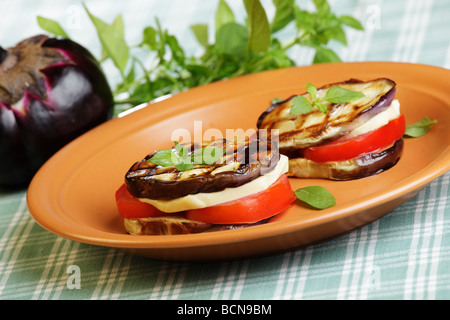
237 49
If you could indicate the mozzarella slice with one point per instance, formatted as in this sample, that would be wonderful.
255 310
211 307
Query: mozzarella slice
392 112
203 200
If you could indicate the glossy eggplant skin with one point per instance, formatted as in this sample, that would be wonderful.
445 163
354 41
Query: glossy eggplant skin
67 96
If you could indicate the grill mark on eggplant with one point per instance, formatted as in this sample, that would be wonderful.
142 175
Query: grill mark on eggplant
141 178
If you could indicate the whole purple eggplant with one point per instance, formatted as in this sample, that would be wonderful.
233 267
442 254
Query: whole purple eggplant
51 91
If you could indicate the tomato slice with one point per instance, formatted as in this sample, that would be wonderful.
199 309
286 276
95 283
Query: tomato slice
346 149
253 208
130 207
277 198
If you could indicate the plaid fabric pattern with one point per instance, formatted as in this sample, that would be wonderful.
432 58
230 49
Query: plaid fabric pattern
404 255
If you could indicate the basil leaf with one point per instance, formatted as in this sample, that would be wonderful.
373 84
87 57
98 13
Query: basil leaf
232 39
112 40
164 158
342 95
51 26
149 38
276 100
322 107
336 33
183 166
224 14
284 14
312 90
325 55
201 33
351 22
259 33
419 128
300 105
316 196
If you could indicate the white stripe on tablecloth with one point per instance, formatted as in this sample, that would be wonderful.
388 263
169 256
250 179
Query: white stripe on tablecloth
282 276
165 280
58 281
173 287
18 229
241 280
226 283
358 262
371 272
410 277
420 36
359 41
438 232
346 268
425 250
108 274
412 32
122 276
302 275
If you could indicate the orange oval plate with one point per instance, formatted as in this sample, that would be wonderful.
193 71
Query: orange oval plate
72 195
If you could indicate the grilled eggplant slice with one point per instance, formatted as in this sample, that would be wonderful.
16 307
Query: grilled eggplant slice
305 130
172 225
168 225
242 162
356 168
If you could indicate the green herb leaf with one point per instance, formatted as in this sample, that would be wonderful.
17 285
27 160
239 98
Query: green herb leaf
259 33
224 14
201 33
276 100
112 40
324 55
51 26
300 105
351 22
312 90
184 165
342 95
316 196
284 14
419 128
322 107
164 158
149 37
232 39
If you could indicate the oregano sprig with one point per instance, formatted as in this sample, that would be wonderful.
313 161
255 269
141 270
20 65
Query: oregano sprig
338 95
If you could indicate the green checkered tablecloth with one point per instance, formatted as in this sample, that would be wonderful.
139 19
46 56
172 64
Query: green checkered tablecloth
404 255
